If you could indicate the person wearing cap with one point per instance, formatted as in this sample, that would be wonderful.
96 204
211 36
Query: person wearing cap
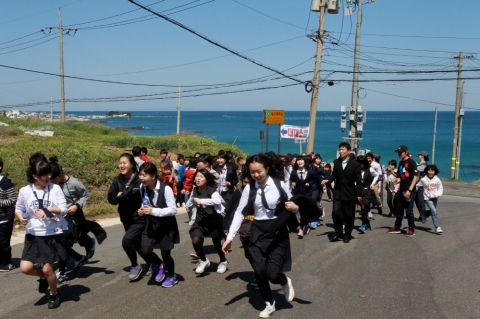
407 170
419 201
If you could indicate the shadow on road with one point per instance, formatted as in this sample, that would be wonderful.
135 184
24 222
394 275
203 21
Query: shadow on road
67 293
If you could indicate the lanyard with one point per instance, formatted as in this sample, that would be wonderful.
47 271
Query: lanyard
40 201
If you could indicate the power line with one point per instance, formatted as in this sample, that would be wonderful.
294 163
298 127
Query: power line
31 46
214 42
416 36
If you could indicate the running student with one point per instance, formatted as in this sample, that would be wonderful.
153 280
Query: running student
392 186
367 193
180 169
433 189
7 215
77 197
269 242
188 185
125 192
39 207
208 220
162 229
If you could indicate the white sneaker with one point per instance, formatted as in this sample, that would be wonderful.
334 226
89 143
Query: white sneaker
201 265
424 219
438 230
288 290
222 267
191 222
269 309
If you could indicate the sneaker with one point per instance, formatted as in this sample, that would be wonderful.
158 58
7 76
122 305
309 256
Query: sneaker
92 250
410 233
368 227
370 216
149 271
160 274
135 272
424 219
314 225
269 309
438 230
54 301
253 283
393 230
170 281
222 267
61 278
178 205
183 204
42 285
201 265
300 234
191 222
288 290
362 229
194 256
79 264
7 267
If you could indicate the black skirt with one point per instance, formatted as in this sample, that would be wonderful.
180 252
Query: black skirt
269 252
161 232
211 226
44 249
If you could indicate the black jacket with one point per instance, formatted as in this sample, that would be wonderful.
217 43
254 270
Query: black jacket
300 188
129 201
348 181
231 177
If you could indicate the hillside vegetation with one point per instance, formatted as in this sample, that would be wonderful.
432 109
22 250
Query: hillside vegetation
89 152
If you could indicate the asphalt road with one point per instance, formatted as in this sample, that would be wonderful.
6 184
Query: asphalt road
376 275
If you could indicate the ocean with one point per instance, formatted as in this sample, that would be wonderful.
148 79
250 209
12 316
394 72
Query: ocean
383 133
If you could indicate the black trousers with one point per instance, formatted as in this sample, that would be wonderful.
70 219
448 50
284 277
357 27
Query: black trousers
6 229
420 201
343 213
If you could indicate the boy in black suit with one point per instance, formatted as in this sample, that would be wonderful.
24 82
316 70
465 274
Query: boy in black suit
346 192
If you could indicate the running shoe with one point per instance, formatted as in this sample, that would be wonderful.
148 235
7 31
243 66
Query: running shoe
149 270
222 267
370 216
92 250
368 226
194 256
438 230
201 265
170 281
410 233
135 272
393 230
42 285
54 301
79 264
288 290
61 278
362 229
424 219
7 267
300 234
269 309
160 274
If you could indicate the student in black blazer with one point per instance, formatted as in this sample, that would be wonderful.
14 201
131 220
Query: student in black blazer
228 178
302 177
346 193
367 193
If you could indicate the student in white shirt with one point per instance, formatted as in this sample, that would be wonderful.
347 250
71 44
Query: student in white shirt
270 201
40 207
433 189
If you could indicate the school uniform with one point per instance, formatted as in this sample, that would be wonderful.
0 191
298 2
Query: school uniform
7 215
227 174
367 194
208 220
269 242
300 178
44 240
161 229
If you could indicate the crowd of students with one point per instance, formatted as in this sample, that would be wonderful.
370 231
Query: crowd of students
262 199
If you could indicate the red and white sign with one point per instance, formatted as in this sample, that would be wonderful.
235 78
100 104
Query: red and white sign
290 131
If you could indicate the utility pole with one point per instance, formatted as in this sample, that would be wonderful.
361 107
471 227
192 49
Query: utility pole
434 136
459 146
316 77
458 102
62 84
355 143
178 107
51 109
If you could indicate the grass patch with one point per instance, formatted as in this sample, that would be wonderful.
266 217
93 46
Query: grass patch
89 152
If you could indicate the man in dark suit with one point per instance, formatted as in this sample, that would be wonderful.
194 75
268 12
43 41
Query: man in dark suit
346 193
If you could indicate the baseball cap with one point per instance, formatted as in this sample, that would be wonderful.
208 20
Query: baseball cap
424 153
401 148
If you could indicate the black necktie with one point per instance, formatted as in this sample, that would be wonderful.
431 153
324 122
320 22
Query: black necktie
301 175
264 199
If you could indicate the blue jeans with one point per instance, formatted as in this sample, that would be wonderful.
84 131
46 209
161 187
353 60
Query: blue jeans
432 204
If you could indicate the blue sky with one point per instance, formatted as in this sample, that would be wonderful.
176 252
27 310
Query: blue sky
396 36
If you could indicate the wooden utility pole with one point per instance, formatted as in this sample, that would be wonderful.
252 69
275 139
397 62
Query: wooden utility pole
316 78
178 107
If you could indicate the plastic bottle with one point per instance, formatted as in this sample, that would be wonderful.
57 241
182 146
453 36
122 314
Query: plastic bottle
408 199
146 200
25 214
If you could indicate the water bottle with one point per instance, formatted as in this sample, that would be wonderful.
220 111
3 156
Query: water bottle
146 200
25 214
408 199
